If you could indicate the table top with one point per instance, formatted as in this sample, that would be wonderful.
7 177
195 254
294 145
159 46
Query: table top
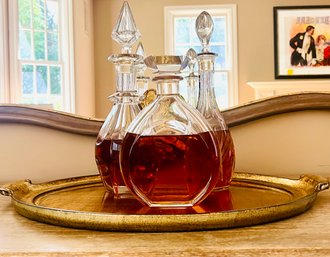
307 234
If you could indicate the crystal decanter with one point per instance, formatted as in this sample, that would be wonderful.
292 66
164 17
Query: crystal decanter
207 103
170 156
192 79
125 107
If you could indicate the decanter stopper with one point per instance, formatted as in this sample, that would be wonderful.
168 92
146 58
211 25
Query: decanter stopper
192 79
141 79
140 50
141 67
125 31
204 29
192 56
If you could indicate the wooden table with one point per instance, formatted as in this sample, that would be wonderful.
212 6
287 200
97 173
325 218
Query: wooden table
305 235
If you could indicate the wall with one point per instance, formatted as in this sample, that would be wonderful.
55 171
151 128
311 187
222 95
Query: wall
84 57
42 154
255 39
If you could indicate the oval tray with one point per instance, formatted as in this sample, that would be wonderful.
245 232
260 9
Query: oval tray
83 203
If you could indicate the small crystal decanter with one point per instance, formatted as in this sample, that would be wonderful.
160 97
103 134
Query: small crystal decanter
141 79
192 79
170 156
125 107
207 103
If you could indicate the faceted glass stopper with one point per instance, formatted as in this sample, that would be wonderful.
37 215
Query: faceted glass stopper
204 29
141 67
125 31
169 64
140 50
192 57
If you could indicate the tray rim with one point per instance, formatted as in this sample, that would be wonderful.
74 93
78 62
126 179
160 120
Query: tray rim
308 186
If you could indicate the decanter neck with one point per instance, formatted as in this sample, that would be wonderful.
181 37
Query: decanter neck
141 84
125 65
207 99
167 85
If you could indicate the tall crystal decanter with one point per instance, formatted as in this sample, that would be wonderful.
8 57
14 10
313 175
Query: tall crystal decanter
170 155
192 79
125 107
207 103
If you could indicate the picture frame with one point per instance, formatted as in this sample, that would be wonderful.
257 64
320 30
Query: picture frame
299 53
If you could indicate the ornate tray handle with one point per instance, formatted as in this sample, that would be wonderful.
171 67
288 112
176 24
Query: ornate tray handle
320 183
20 186
5 191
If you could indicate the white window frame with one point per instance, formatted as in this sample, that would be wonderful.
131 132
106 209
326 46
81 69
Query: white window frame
4 65
10 82
171 12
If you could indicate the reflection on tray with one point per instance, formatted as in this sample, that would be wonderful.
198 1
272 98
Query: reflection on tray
215 202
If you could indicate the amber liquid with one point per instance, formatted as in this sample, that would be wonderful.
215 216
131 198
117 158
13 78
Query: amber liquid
170 170
228 159
107 159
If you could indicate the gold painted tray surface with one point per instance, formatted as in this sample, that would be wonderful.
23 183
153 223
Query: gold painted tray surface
83 203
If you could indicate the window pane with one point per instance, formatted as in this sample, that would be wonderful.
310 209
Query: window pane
220 61
27 79
52 46
182 50
52 15
24 11
182 30
39 45
193 34
219 32
55 80
25 44
221 89
39 14
41 79
197 48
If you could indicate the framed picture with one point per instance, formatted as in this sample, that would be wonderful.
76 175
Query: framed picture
302 42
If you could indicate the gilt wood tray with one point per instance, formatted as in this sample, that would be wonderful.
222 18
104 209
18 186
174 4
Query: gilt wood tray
82 202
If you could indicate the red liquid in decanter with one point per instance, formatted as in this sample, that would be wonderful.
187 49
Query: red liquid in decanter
169 167
107 158
228 159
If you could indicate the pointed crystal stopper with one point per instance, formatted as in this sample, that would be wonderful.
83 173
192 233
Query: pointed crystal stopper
204 29
140 50
141 67
125 31
192 56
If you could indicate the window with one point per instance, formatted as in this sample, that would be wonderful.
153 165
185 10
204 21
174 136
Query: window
37 34
180 35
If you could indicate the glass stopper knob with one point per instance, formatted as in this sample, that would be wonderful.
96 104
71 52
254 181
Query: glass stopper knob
204 29
192 57
125 31
140 50
141 67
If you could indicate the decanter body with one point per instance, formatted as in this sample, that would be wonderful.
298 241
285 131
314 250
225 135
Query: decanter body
109 141
170 156
207 104
125 108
